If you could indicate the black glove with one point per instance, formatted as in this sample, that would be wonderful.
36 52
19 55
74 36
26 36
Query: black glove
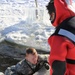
46 65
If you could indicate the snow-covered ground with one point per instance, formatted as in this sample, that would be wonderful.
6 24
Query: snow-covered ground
20 24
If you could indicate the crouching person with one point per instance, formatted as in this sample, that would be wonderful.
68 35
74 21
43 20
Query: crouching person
28 66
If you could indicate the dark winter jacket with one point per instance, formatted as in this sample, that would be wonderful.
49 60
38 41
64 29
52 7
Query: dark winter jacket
26 68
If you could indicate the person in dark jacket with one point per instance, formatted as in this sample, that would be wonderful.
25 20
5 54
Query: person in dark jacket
28 66
62 41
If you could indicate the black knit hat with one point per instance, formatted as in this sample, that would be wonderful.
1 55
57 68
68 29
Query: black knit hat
50 7
51 1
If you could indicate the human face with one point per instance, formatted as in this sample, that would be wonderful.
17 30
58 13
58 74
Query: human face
52 17
32 58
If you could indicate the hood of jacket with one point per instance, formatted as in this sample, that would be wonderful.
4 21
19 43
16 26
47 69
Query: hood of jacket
64 9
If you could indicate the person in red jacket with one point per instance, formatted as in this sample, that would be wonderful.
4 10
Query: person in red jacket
62 41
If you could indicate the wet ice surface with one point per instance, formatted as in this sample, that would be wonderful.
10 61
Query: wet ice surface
42 72
1 73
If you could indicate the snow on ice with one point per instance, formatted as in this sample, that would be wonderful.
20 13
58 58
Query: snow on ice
18 23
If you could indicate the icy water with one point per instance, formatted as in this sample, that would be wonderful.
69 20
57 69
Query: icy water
5 62
11 53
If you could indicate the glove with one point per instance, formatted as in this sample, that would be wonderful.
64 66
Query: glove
46 65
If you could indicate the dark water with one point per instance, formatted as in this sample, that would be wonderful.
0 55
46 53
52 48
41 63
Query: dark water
5 62
11 53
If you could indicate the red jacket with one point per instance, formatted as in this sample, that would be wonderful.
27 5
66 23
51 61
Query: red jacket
62 42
